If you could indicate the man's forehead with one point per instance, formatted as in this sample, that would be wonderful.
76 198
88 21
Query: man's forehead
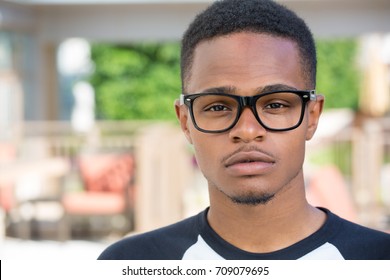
241 53
245 38
228 50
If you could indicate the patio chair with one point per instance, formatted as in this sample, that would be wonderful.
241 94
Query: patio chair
107 193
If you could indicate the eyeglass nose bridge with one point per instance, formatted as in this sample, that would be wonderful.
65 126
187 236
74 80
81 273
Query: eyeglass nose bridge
250 102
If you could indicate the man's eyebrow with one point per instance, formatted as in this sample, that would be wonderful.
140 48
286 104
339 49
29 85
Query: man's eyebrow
275 87
224 89
259 90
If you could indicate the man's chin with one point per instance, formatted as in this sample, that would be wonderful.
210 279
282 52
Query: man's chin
252 199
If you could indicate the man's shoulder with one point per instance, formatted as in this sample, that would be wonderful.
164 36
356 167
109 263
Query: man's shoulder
361 242
169 242
359 231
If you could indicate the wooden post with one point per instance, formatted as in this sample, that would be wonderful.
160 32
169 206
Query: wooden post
163 169
50 80
367 164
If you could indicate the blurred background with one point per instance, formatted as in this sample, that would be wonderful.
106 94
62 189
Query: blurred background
90 150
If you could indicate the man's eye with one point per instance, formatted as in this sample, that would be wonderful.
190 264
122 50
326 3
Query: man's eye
275 106
217 108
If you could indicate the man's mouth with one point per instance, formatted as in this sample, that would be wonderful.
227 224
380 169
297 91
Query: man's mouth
248 157
249 163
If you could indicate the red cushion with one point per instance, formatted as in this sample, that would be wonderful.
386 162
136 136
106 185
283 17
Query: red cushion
106 172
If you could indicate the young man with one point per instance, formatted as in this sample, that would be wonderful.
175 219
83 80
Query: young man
248 107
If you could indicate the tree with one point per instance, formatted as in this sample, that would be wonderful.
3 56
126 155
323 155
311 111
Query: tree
139 81
338 77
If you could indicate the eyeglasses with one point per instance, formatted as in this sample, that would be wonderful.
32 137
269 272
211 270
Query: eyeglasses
275 111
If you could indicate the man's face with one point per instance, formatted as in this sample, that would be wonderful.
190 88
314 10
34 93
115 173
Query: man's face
248 164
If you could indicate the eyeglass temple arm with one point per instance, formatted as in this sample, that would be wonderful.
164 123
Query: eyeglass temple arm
313 95
181 100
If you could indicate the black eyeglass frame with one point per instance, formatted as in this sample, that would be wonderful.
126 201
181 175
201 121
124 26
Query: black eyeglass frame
248 101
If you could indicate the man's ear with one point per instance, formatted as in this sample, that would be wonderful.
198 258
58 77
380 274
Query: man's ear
314 110
182 116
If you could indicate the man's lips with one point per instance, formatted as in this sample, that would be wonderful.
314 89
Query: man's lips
249 163
248 157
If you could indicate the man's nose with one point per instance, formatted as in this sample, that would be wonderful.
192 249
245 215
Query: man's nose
247 128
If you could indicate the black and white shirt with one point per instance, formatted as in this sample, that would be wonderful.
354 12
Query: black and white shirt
194 239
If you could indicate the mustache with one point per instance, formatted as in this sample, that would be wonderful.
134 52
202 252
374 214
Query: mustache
251 148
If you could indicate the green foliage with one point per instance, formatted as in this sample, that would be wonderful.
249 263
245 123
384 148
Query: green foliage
337 73
138 81
141 81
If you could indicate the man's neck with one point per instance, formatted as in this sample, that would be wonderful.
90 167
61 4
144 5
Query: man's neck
283 221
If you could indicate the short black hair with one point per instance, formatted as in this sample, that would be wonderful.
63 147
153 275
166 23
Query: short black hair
259 16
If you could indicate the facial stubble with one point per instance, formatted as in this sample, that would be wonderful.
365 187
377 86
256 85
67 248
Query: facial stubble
250 198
